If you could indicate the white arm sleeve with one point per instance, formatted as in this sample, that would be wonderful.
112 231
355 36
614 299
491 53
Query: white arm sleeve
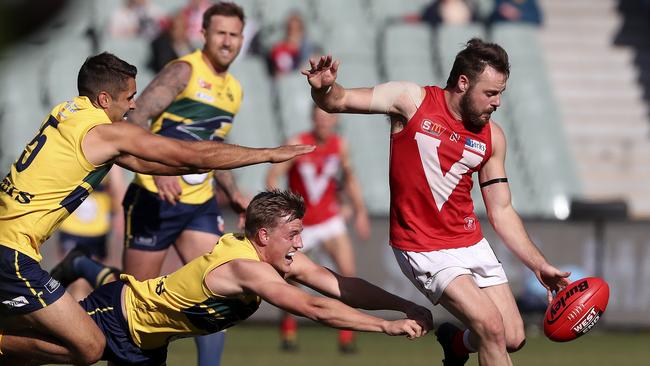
393 95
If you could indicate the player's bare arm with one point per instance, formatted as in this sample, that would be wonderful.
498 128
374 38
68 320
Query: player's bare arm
238 276
160 93
104 143
506 221
353 191
279 170
226 181
353 291
392 98
138 165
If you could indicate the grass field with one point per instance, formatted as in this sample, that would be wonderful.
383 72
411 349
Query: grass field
252 345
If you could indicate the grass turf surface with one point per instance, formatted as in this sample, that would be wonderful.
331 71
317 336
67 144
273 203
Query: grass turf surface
258 345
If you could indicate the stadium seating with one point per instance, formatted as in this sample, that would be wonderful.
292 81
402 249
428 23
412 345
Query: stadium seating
382 10
21 103
450 39
412 60
295 104
255 124
372 49
135 51
536 121
342 13
368 137
276 11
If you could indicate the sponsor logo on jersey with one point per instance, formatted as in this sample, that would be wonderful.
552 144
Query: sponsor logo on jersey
477 146
52 285
160 286
16 302
470 224
204 96
230 96
454 137
13 192
432 128
204 84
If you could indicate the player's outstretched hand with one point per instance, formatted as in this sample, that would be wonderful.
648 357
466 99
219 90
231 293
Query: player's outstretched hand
553 279
322 73
288 152
421 315
406 327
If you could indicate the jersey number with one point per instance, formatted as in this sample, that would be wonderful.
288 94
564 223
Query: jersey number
441 184
25 161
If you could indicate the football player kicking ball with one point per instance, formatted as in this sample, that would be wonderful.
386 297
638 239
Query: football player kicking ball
439 138
224 287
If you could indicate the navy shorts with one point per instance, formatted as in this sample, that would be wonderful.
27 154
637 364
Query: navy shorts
24 286
104 305
93 245
153 224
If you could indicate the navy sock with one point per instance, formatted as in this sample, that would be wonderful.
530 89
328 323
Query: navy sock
210 348
91 270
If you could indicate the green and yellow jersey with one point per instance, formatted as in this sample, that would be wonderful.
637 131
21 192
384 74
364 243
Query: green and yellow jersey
181 305
203 111
93 217
51 178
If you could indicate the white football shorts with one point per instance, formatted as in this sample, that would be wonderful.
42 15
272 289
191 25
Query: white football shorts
314 235
431 272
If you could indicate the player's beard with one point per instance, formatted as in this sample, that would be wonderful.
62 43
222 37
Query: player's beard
471 114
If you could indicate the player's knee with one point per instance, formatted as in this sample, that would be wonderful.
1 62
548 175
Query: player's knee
515 344
490 329
91 352
515 336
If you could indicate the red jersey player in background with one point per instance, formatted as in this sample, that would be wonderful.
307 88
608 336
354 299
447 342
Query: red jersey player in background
316 178
439 137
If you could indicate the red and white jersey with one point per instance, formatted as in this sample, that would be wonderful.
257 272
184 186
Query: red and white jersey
314 177
431 164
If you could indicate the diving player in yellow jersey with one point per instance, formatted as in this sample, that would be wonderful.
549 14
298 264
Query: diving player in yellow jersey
224 287
193 98
71 153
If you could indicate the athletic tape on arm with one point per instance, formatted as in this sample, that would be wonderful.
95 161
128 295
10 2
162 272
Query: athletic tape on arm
385 95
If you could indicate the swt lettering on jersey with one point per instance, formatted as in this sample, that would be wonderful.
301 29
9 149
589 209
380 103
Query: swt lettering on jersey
18 195
316 184
442 185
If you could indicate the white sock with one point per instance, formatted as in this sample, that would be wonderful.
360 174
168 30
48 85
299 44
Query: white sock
466 342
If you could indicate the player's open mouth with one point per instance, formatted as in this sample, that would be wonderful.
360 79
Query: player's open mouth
289 256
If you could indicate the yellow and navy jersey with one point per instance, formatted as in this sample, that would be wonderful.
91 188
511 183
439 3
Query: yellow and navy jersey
204 110
51 178
93 217
181 305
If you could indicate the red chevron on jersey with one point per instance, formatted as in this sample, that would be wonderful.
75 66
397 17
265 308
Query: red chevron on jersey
431 166
314 177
